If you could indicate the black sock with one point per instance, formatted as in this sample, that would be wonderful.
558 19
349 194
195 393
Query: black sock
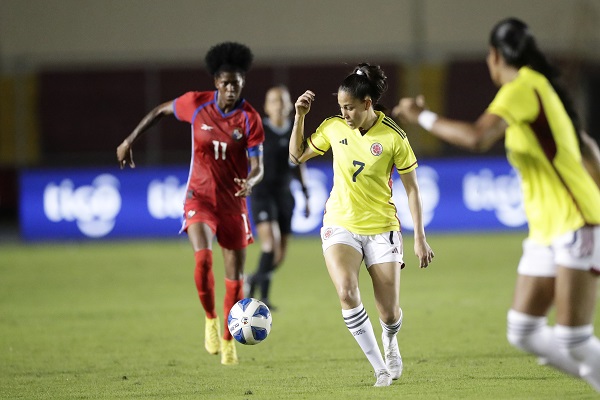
264 287
263 275
251 280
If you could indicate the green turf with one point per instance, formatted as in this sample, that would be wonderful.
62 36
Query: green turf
119 320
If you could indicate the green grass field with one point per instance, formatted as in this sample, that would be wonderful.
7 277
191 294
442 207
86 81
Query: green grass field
121 320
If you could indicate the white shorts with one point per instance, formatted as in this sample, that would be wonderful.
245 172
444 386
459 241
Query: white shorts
376 249
578 250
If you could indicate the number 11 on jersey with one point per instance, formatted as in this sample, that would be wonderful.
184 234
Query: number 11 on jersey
222 146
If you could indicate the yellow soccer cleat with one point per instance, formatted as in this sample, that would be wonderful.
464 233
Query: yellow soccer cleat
212 333
228 352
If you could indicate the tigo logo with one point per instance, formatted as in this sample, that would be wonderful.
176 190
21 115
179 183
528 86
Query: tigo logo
92 207
165 198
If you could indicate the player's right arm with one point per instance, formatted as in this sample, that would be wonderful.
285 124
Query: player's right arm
478 136
303 179
124 151
299 150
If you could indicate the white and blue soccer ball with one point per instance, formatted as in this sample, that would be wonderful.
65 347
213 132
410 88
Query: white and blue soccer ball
249 321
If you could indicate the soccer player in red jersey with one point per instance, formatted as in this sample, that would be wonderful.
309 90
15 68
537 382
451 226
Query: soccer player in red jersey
227 137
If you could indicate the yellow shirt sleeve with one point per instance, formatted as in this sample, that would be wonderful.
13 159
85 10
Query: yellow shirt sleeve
404 157
319 141
515 103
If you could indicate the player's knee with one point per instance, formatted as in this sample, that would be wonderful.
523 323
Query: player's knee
267 240
203 274
203 259
267 246
349 295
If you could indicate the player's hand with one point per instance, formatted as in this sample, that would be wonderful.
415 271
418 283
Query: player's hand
245 188
306 203
423 252
303 103
306 209
125 155
408 109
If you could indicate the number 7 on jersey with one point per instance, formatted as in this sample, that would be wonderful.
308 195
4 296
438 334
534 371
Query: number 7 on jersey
361 166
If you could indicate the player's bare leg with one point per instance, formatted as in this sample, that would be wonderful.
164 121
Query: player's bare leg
343 263
386 286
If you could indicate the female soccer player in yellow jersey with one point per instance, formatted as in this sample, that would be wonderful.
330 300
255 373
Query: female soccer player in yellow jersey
556 162
360 219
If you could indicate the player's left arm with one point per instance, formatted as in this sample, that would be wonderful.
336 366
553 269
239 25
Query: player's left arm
590 154
254 176
255 156
422 249
302 176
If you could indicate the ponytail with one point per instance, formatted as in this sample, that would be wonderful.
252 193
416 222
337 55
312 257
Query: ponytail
366 80
512 38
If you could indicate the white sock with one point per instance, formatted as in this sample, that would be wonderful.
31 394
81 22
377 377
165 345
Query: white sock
389 332
360 327
533 335
580 343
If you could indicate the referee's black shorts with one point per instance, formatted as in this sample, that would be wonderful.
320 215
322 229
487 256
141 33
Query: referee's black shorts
274 206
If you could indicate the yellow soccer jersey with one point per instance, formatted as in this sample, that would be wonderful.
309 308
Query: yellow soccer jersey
361 198
559 195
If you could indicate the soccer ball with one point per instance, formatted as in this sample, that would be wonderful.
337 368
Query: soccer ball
249 321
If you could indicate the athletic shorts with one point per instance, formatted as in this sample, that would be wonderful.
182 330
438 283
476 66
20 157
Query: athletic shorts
233 231
276 206
578 250
376 249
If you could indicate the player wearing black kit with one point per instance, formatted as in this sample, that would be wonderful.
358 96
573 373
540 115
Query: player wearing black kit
272 201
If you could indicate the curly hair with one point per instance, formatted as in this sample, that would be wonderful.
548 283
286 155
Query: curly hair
229 57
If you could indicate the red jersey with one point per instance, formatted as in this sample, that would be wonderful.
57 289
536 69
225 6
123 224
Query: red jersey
220 144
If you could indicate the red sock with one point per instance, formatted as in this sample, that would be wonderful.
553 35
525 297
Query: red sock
233 294
205 281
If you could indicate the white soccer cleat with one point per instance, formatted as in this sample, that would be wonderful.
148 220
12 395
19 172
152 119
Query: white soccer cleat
542 361
383 378
393 359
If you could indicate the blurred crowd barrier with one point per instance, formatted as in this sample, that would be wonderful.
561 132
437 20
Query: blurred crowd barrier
76 117
459 195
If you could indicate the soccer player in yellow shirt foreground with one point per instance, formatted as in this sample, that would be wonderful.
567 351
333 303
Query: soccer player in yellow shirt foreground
559 165
360 219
